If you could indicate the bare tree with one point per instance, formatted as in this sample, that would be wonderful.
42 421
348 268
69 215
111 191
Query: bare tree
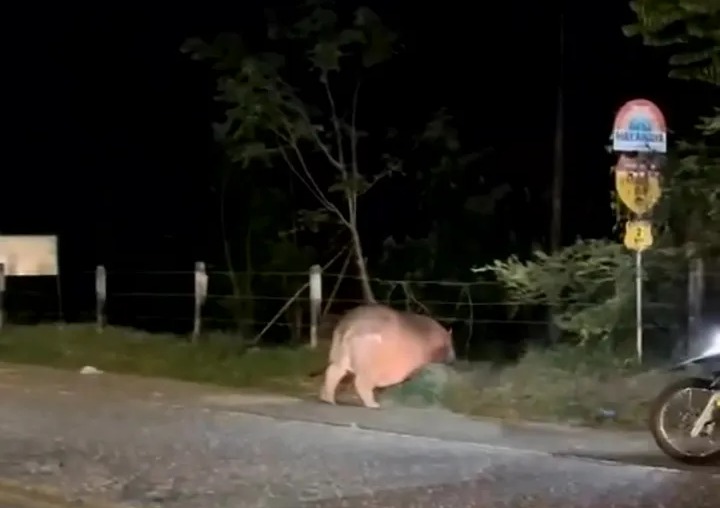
306 127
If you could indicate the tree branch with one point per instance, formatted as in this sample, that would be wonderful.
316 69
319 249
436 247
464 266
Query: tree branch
307 178
298 108
335 120
354 141
350 192
321 198
292 142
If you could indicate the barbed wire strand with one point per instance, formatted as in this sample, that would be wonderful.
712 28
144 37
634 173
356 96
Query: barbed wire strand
356 301
393 283
253 297
269 324
190 273
128 322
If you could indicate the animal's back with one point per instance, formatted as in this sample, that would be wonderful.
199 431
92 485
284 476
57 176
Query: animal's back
360 321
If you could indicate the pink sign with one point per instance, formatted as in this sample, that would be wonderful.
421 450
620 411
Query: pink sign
640 127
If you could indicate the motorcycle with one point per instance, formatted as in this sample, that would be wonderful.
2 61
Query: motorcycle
700 416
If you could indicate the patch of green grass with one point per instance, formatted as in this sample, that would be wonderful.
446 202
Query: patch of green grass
579 386
422 390
569 385
220 359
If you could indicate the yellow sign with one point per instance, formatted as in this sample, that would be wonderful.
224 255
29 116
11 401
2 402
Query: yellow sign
638 235
637 182
639 191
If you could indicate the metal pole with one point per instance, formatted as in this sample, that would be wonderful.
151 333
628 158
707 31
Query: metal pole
638 305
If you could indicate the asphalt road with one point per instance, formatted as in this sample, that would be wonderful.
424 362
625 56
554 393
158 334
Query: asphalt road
138 442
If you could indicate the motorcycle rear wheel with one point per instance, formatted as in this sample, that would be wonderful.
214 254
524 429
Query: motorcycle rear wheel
656 423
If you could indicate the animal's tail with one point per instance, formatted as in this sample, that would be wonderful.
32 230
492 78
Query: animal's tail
334 350
317 373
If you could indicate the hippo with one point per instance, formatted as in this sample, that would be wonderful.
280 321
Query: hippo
383 347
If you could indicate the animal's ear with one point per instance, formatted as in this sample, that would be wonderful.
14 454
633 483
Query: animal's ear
449 330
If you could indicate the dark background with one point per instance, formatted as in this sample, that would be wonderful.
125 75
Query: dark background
107 138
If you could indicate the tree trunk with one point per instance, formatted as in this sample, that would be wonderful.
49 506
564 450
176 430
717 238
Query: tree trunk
362 266
226 244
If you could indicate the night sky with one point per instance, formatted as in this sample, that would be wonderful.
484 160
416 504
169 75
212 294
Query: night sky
108 126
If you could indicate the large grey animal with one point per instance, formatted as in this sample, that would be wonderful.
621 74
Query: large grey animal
382 347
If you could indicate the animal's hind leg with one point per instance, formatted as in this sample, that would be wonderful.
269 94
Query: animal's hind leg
333 375
365 389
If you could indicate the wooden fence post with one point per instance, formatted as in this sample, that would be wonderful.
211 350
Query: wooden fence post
315 303
100 297
201 288
2 295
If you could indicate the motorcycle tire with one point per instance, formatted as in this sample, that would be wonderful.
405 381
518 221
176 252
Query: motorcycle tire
656 410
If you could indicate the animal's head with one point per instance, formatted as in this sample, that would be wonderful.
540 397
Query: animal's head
442 341
435 337
449 346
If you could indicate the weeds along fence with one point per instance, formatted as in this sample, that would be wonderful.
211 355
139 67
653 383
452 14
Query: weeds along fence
269 307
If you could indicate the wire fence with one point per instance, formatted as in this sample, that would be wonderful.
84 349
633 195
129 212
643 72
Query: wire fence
275 307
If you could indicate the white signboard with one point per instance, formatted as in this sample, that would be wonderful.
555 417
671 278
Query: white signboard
29 255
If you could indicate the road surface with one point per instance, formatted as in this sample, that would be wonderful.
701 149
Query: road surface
124 441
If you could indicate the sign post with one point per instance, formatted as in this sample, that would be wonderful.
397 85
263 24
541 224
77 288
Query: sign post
639 135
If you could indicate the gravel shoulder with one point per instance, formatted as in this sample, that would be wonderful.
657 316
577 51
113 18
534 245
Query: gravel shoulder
145 442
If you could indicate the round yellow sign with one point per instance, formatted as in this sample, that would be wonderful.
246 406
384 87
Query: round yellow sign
638 235
640 192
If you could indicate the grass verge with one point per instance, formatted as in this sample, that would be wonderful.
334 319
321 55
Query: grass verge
221 359
567 385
